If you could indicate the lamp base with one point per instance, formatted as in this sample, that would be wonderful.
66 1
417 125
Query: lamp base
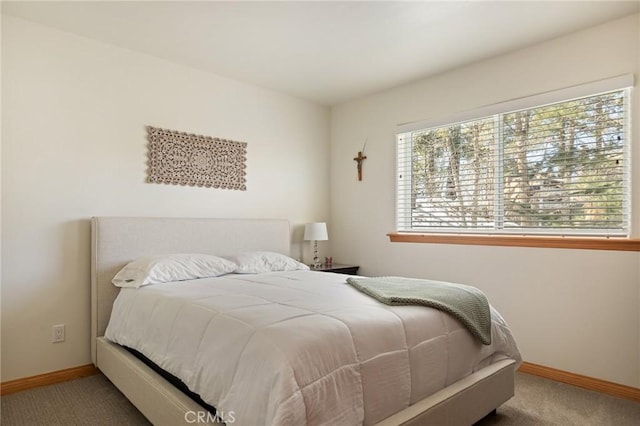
316 260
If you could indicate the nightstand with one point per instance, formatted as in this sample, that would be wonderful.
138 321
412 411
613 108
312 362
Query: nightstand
338 268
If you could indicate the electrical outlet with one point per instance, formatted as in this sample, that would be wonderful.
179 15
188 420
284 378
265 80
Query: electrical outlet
57 335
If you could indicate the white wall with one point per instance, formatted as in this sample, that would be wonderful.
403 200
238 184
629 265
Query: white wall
73 146
575 310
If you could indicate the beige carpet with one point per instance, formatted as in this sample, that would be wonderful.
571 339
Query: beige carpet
94 401
91 400
540 401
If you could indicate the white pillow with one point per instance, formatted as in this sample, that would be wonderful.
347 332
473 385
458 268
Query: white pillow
171 267
257 262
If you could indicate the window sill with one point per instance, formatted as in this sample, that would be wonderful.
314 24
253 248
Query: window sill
580 243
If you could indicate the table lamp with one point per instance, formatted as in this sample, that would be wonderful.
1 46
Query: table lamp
315 232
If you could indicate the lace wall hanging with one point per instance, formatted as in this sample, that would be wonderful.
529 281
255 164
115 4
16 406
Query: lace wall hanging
178 158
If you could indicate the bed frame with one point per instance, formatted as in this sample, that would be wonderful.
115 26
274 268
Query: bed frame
115 241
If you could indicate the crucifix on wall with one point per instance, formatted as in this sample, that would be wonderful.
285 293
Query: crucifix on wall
359 159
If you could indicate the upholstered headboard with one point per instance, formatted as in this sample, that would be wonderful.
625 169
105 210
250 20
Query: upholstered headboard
115 241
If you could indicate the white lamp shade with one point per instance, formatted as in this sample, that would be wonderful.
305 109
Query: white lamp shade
315 231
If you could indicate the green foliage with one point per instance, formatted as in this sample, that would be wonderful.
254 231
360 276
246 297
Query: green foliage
561 168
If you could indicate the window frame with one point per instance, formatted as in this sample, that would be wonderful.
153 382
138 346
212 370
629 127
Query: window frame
535 237
497 240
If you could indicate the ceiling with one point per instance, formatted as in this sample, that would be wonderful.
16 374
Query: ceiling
326 52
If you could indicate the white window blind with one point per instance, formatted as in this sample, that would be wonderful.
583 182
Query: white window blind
556 169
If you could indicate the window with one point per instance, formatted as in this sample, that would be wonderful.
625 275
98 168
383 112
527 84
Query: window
560 168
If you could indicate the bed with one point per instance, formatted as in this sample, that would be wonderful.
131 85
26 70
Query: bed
117 241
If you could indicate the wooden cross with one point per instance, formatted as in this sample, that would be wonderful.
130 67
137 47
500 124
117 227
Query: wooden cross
359 159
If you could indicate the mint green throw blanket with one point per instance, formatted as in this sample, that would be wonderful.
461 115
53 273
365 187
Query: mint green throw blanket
467 304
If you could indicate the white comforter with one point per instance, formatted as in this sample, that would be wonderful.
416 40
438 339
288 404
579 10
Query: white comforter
302 347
